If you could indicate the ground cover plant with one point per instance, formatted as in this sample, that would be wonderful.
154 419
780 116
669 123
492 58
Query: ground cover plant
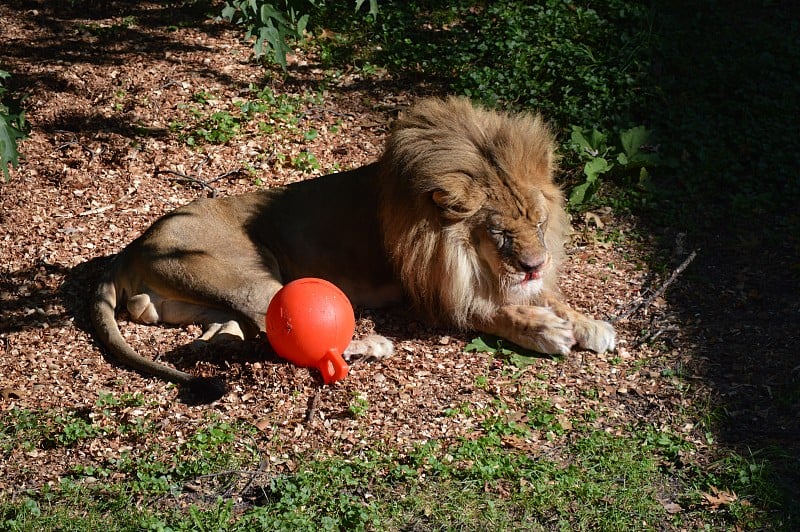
12 128
138 107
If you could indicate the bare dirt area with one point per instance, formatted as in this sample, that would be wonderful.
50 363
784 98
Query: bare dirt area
104 161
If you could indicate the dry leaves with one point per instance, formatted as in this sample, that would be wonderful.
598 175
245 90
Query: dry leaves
718 498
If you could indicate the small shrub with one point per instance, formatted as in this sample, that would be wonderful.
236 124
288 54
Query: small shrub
631 156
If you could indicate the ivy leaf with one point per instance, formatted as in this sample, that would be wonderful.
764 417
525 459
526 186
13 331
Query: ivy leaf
516 355
479 345
521 361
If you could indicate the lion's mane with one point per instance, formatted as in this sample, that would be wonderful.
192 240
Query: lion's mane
464 154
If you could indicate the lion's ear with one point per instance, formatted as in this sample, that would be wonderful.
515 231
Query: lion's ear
455 207
440 198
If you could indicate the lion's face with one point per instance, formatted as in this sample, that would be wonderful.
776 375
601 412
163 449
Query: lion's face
511 244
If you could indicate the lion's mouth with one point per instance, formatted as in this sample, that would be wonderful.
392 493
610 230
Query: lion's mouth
532 276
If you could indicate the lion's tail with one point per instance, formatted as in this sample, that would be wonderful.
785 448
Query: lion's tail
107 330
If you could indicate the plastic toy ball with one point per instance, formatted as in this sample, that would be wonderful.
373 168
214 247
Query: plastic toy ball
310 322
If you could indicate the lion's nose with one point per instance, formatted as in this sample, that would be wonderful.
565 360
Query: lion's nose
530 264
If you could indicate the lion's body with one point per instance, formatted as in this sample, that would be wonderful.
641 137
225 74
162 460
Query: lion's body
460 215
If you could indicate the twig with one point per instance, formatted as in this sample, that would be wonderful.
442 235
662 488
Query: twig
81 145
652 336
647 302
223 175
262 466
198 168
74 142
314 406
188 179
104 208
98 210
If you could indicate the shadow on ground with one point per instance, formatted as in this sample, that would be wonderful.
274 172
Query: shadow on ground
729 75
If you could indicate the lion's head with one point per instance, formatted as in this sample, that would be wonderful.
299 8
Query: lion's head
471 217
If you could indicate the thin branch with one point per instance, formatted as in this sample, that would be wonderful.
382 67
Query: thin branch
223 175
652 336
263 465
188 179
74 142
313 405
647 302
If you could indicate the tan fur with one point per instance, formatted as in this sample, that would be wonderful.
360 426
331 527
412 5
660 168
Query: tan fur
460 214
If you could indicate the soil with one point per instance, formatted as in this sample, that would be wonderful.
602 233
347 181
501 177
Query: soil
103 85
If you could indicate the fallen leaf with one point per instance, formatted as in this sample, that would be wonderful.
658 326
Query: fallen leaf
262 424
718 498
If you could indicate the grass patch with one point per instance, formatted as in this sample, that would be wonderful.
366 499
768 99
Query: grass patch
494 479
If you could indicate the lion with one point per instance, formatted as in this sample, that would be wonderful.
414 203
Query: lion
459 216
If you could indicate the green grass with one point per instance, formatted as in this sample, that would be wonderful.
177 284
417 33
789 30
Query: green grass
595 480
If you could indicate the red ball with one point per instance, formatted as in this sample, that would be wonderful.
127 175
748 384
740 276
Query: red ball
310 322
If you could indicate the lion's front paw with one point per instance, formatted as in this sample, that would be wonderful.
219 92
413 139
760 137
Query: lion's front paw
372 347
595 335
536 328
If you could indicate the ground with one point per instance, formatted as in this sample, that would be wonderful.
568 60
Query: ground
109 101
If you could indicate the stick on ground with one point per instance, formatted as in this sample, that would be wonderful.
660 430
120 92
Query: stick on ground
647 302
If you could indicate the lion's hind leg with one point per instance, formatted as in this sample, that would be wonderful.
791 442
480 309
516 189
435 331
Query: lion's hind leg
218 325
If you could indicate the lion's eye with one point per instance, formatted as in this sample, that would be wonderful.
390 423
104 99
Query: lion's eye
540 230
499 237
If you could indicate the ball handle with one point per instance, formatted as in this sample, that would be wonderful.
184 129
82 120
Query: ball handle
333 367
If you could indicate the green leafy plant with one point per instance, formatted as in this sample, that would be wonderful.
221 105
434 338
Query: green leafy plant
213 121
359 405
576 62
218 128
630 155
305 161
516 355
13 128
489 479
272 25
